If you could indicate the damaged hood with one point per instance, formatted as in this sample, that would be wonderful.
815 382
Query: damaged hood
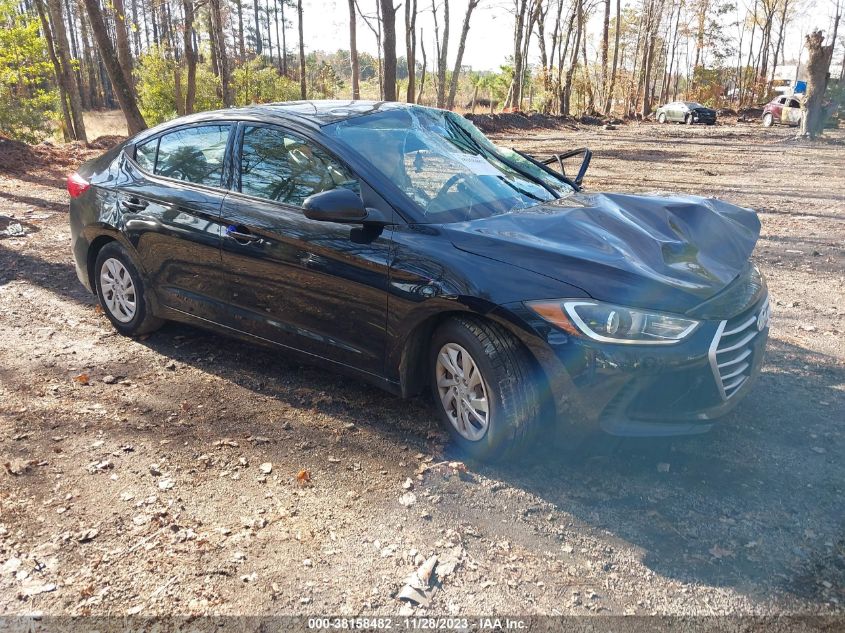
652 251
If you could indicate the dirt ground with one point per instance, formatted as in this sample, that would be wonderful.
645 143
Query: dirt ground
188 473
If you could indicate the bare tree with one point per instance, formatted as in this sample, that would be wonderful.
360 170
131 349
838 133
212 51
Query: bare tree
608 102
411 47
303 93
60 43
190 55
441 51
453 86
219 37
123 91
68 132
353 50
121 36
388 19
818 70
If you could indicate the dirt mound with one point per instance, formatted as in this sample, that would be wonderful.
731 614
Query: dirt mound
106 142
52 162
508 121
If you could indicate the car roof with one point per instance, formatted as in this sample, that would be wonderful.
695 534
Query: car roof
313 113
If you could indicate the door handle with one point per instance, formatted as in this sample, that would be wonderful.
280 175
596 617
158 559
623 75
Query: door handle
242 236
134 204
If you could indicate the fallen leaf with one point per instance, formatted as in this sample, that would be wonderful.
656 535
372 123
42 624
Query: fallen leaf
87 535
303 476
82 379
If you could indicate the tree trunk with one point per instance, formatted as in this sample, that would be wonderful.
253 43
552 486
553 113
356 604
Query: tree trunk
518 70
222 56
284 42
453 86
67 123
303 93
388 17
257 28
422 74
61 47
608 102
125 95
353 50
605 36
818 65
442 53
411 47
278 35
190 56
121 35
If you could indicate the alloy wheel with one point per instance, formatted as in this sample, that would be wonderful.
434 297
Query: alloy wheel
118 290
462 391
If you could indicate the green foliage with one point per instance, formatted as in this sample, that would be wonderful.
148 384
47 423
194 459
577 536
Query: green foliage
156 76
27 101
258 82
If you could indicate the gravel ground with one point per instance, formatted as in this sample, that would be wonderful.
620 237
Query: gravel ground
187 473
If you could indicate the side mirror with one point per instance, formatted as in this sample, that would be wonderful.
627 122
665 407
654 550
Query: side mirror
335 205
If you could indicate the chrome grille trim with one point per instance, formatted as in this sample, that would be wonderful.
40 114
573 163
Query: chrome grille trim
731 373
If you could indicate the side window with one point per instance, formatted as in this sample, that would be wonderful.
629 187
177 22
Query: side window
145 155
280 166
194 154
793 103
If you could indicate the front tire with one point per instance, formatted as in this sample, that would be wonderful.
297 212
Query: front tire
661 118
768 119
688 119
121 292
485 388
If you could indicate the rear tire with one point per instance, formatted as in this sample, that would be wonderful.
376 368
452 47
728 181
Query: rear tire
476 365
768 119
121 292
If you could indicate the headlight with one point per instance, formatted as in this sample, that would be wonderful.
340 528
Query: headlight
610 323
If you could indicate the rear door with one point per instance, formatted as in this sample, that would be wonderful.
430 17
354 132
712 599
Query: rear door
171 212
318 287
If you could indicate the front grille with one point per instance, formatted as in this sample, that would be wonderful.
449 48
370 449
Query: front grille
732 350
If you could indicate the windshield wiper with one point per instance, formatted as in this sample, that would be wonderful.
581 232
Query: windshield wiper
487 152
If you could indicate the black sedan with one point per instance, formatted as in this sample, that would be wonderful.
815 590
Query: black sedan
688 112
396 243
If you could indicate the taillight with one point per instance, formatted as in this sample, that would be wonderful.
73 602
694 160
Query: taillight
76 185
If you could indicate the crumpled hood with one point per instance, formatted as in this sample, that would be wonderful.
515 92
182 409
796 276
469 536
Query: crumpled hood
653 251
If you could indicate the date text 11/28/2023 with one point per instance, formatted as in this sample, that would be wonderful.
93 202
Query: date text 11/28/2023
418 623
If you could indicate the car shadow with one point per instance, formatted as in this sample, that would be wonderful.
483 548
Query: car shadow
754 505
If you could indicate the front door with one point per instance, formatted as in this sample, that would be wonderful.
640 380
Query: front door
318 287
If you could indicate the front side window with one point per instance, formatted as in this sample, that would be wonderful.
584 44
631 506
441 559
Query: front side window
193 154
283 167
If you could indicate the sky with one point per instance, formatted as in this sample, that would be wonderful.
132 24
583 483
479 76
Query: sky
490 40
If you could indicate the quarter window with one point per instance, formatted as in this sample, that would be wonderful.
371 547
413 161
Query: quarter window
280 166
193 154
145 155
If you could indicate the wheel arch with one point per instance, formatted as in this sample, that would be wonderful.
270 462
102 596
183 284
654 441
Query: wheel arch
414 363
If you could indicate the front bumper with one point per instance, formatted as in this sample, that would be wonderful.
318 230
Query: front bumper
703 117
641 390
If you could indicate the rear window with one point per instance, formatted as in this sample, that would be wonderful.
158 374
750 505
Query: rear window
191 154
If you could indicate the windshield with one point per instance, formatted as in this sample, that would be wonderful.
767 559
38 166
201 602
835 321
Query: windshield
445 165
